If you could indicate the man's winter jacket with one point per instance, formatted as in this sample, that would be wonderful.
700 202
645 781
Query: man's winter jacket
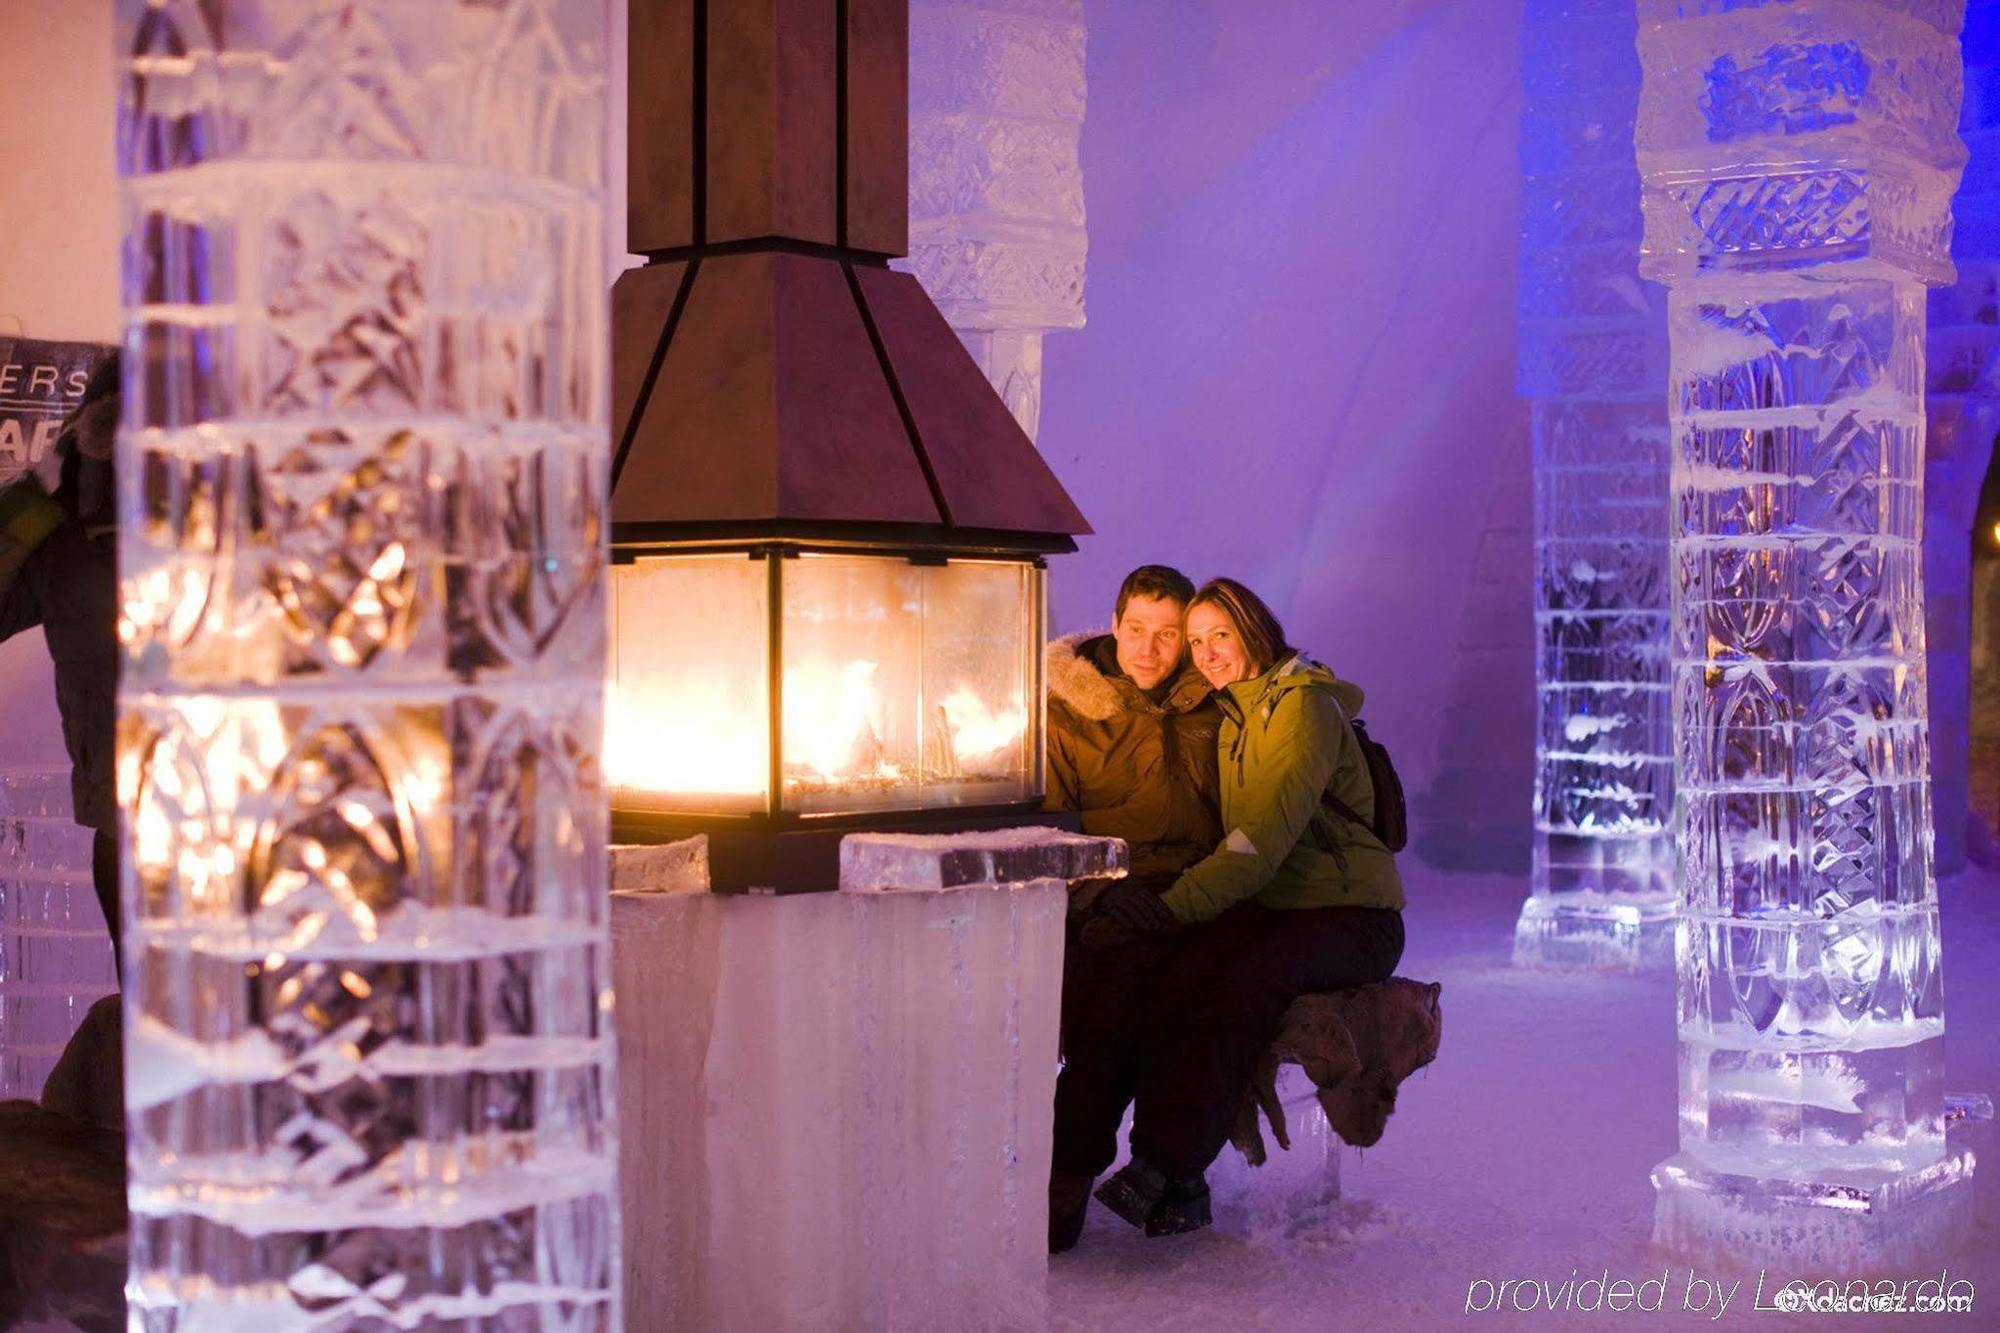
1136 769
68 586
1285 742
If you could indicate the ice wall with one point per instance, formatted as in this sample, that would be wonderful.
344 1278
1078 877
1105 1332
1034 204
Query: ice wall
1593 350
1962 418
1299 366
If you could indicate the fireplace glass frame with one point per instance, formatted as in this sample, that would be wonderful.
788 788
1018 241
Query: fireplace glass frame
771 830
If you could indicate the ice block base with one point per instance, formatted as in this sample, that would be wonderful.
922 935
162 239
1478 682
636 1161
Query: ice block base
1596 932
1851 1223
838 1106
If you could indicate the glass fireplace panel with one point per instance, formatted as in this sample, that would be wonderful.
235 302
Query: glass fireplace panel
688 715
981 686
909 686
852 728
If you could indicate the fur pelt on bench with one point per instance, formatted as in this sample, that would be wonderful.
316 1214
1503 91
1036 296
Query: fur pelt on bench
1357 1046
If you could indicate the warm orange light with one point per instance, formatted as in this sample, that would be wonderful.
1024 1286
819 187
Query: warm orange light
690 741
902 684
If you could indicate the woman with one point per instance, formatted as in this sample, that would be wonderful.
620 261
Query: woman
1297 899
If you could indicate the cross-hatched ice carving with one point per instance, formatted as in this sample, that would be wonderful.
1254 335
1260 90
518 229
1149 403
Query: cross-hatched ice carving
1798 184
363 479
1593 337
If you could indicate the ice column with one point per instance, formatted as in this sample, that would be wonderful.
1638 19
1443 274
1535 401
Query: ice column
1962 417
1799 162
55 959
1593 349
362 464
996 191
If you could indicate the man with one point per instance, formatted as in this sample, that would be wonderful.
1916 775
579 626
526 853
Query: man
1131 747
59 571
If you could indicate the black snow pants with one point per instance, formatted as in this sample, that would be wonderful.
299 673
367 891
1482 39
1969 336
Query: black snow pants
1174 1025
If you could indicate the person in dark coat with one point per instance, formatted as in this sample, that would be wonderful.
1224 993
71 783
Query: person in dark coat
61 552
1131 748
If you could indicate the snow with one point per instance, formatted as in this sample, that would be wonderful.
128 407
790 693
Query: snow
1523 1153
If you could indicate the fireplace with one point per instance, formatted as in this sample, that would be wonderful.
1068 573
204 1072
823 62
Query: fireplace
828 531
903 683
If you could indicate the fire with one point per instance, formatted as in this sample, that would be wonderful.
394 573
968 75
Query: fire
834 723
694 741
977 731
691 740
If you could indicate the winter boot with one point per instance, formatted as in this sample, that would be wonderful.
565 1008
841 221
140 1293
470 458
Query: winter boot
1159 1204
1069 1199
1134 1190
1184 1207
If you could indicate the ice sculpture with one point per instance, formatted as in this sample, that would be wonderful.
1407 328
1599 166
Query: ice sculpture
1593 349
55 958
845 1096
1799 163
362 462
996 186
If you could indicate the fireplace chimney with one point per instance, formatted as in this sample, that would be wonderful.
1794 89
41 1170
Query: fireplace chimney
771 374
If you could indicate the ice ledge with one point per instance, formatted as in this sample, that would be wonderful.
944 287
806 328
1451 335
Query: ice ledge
1850 1222
671 867
1589 931
1002 858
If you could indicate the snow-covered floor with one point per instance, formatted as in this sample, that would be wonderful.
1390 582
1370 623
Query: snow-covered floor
1523 1152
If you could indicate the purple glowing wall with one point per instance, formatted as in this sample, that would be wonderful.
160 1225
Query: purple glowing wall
1299 362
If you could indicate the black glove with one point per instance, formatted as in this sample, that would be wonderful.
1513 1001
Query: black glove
1127 911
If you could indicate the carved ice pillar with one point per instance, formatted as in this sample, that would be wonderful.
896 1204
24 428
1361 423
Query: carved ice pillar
1799 162
1962 418
362 470
1593 349
996 191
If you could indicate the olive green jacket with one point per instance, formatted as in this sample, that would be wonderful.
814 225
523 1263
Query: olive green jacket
1286 740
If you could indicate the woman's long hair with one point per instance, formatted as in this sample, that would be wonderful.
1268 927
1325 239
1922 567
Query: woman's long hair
1262 636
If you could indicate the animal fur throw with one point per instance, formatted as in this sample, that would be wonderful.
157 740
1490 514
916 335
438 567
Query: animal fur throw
1356 1046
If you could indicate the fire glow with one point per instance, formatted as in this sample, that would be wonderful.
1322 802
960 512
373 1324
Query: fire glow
691 740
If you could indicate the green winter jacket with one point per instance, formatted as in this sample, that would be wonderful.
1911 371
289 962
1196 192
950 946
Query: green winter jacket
1285 740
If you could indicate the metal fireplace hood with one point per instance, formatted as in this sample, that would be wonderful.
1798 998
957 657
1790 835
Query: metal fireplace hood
771 375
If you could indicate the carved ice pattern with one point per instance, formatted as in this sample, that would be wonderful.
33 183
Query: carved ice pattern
1811 1007
996 185
1593 342
370 1069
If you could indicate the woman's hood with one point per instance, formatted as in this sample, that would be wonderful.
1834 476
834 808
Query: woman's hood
1297 672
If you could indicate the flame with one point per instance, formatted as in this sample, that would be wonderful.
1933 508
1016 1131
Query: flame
977 731
693 740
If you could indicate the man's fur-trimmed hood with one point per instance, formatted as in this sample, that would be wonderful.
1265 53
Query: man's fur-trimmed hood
1075 678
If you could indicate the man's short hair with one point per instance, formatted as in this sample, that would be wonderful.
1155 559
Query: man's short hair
1160 582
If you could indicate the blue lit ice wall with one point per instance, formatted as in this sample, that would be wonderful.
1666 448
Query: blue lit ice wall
1962 409
1593 354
